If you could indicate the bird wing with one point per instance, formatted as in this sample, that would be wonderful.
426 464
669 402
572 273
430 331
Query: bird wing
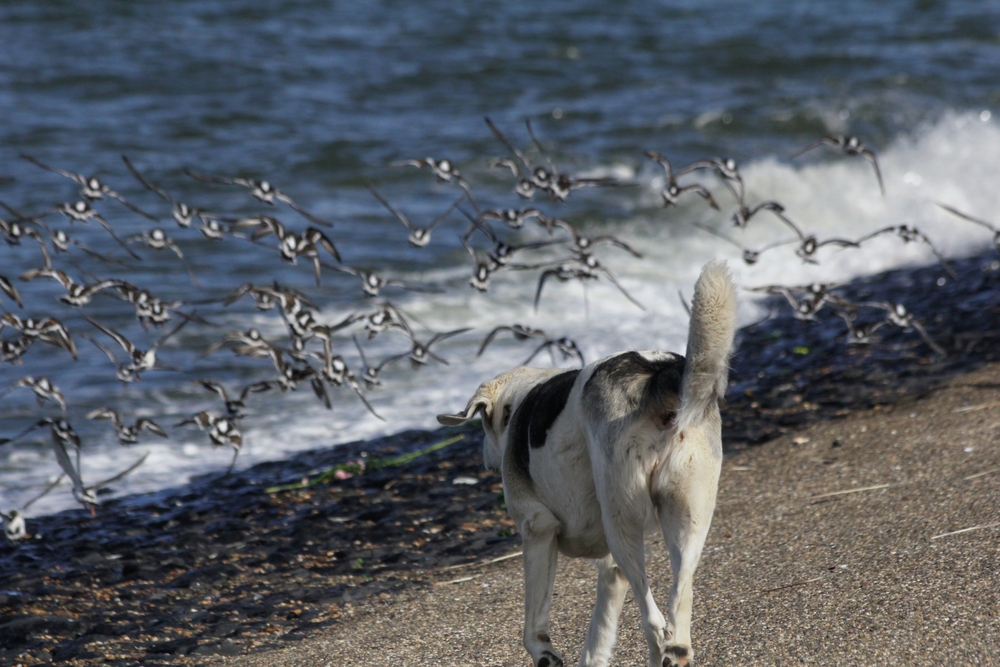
107 226
266 225
506 162
217 345
282 197
326 331
124 473
150 425
187 318
927 339
704 193
357 390
843 243
479 223
44 493
617 243
320 390
937 253
547 343
118 338
442 336
392 209
538 145
390 360
867 152
413 287
104 413
776 244
216 387
313 235
127 204
145 183
879 232
541 283
62 458
781 216
38 424
435 221
79 178
55 274
716 233
104 349
419 164
966 216
697 165
815 144
499 135
8 288
207 178
490 336
614 281
662 160
347 269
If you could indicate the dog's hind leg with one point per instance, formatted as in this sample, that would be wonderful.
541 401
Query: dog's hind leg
685 515
624 518
538 531
611 589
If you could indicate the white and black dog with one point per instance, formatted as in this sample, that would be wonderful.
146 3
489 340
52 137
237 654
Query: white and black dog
592 457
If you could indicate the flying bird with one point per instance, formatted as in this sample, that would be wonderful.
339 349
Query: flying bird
90 187
419 236
850 146
263 191
128 434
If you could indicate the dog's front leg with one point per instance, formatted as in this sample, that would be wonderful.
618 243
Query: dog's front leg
611 589
538 531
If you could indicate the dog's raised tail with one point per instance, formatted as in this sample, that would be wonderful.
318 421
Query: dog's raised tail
710 342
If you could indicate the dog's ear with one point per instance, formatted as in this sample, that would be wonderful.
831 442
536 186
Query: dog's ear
482 400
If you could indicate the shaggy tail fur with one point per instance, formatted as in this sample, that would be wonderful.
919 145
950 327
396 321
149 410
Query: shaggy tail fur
710 341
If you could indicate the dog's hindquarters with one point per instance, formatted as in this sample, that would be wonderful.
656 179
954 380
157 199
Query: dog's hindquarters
688 479
655 437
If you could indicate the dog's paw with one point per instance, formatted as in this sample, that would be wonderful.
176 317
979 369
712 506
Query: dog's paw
677 656
549 659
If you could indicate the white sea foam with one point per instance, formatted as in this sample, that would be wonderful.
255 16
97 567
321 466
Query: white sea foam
953 161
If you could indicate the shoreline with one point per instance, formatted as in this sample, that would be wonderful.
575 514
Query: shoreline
220 567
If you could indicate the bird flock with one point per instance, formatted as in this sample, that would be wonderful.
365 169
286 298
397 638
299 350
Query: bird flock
315 346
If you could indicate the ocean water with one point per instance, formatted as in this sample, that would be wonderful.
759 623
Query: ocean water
319 98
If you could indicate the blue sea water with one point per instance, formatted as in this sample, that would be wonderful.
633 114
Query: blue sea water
319 97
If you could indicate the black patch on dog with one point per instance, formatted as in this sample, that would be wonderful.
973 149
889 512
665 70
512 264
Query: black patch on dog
536 413
548 659
620 373
676 651
628 387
